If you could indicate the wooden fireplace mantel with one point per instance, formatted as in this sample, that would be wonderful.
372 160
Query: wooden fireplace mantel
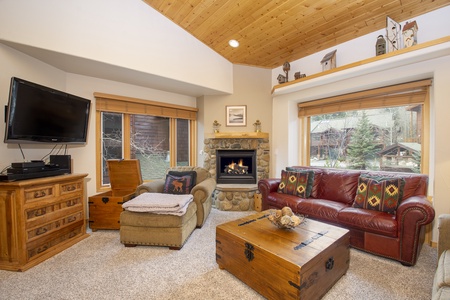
237 135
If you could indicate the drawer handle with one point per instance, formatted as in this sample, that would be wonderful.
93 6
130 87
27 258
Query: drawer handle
71 188
40 194
41 249
39 212
41 230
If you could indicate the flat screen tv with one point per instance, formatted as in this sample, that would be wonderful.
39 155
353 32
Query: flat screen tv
39 114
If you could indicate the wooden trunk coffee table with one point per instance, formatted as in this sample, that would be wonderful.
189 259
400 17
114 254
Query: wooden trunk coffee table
300 263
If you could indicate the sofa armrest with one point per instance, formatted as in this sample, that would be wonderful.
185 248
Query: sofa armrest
444 233
203 190
202 193
155 186
267 186
415 210
412 214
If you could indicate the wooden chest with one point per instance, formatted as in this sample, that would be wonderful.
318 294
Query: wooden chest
105 208
300 263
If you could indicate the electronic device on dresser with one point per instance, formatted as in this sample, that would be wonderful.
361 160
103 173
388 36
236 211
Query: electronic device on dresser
36 113
58 165
40 114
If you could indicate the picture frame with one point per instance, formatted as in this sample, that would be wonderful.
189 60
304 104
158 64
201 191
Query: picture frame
236 115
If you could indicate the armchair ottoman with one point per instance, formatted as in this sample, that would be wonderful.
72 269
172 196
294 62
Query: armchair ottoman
202 191
140 228
158 229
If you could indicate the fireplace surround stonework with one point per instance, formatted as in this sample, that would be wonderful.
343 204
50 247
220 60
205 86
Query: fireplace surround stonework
237 197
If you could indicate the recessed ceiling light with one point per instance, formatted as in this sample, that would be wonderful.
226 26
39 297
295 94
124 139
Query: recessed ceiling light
233 43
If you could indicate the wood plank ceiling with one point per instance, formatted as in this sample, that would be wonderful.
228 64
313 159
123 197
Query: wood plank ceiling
271 32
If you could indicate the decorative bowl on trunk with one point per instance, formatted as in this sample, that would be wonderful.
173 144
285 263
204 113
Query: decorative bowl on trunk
285 218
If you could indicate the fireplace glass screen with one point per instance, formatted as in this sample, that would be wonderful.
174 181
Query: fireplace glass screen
236 166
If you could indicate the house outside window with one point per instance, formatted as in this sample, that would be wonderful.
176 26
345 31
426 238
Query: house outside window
380 129
387 139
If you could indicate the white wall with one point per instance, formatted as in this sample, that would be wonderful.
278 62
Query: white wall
128 34
14 63
251 88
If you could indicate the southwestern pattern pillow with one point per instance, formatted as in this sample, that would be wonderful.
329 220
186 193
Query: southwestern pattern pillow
380 194
310 183
182 184
294 183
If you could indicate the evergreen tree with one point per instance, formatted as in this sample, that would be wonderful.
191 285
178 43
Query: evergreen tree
361 147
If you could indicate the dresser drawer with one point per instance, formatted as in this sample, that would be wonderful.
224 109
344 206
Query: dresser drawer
49 228
48 242
39 193
38 215
71 187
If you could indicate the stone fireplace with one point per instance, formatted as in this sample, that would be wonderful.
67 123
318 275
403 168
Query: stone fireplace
236 187
236 166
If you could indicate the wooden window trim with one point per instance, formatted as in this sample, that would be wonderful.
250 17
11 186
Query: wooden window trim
395 95
416 92
128 106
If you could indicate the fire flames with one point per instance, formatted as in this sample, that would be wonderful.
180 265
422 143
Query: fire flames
236 168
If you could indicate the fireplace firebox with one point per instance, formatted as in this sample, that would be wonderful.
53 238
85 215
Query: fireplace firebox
236 166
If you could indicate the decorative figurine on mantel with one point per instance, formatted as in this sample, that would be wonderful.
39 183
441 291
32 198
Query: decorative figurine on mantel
257 125
281 79
380 46
329 61
410 34
298 75
286 68
216 126
393 35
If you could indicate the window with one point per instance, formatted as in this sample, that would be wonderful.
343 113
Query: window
159 135
379 129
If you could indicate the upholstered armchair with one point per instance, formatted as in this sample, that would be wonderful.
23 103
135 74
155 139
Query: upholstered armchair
202 191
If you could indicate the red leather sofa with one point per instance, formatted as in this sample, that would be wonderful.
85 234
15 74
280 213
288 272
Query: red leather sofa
397 236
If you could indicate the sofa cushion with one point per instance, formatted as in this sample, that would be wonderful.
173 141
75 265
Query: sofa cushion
368 220
279 200
296 183
339 185
320 209
179 182
381 194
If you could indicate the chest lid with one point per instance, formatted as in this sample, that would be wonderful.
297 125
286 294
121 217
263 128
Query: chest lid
124 174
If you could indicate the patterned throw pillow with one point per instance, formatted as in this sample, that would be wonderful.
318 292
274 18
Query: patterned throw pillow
294 183
179 182
311 176
380 194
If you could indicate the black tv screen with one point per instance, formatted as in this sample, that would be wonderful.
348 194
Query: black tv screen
36 113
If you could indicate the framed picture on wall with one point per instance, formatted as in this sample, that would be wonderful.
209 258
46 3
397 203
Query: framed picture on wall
236 115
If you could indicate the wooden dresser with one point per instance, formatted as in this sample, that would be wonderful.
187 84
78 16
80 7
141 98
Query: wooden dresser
40 218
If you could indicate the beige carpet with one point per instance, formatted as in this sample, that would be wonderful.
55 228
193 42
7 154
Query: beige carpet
99 267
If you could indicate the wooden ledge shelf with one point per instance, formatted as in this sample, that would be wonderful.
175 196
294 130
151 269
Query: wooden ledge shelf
237 135
365 61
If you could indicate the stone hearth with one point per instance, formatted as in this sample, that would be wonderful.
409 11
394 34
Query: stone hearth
237 197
